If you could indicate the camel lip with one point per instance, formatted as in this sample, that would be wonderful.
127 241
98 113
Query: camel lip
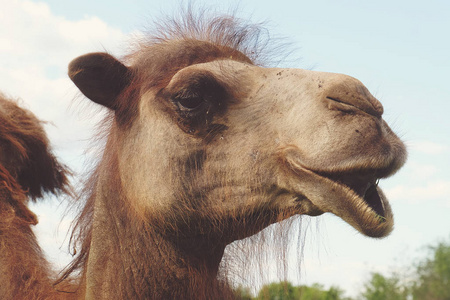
365 186
352 195
359 201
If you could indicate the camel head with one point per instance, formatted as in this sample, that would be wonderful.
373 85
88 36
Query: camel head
209 144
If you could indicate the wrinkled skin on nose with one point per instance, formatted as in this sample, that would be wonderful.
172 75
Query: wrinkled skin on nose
332 121
351 94
335 146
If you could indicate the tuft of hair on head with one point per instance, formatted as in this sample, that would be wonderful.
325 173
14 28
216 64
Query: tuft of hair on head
226 30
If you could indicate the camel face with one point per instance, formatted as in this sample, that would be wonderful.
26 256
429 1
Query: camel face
226 142
236 139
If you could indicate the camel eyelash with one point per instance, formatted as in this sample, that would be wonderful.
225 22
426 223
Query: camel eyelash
201 94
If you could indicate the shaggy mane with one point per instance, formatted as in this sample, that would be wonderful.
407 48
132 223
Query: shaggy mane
36 169
28 170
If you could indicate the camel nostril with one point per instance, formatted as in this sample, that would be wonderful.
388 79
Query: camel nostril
350 102
340 105
348 94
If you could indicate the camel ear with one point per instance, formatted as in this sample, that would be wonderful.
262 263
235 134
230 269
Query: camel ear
100 77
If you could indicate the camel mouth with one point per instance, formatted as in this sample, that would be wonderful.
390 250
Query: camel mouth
352 195
366 187
356 198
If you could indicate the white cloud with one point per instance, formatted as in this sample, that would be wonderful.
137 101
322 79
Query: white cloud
32 29
419 172
434 190
429 147
52 231
35 48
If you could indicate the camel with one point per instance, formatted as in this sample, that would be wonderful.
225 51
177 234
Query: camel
28 171
204 146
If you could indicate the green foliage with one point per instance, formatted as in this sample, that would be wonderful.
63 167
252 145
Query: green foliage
429 280
317 292
243 293
278 291
433 275
286 291
384 288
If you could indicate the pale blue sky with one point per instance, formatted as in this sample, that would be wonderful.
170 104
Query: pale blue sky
398 49
399 45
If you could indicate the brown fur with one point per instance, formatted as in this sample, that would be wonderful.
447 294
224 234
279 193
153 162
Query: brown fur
28 170
23 136
176 45
204 148
185 242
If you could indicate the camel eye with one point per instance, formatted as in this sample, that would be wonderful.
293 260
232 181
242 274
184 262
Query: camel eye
189 102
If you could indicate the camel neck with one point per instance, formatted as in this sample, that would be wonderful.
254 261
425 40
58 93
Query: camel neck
128 260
